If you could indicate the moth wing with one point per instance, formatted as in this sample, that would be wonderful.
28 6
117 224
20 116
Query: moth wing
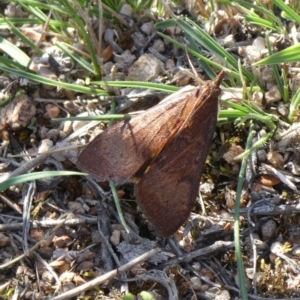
172 179
121 150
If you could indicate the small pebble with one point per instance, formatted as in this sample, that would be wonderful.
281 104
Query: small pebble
273 95
283 109
224 295
66 277
148 27
268 180
61 241
78 124
195 283
232 153
4 240
45 146
115 237
159 46
258 98
261 155
126 10
52 111
76 207
268 230
48 277
146 68
296 251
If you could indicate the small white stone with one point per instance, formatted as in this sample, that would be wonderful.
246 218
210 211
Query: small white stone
45 146
273 95
296 251
283 109
115 237
276 248
124 60
196 266
147 27
224 295
126 10
258 97
67 127
78 124
196 283
259 43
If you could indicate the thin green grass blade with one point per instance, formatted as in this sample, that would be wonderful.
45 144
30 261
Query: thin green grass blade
79 59
237 240
42 5
201 37
204 39
275 69
40 79
286 90
294 106
201 57
108 117
22 37
22 21
206 67
139 85
288 11
12 64
291 54
262 23
81 27
35 176
258 7
14 52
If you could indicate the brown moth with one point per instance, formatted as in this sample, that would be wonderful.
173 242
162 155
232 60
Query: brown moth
164 149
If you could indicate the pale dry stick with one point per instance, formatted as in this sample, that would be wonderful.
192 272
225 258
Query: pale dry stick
11 204
178 253
77 51
162 278
76 291
201 202
281 176
48 267
50 152
287 132
48 223
4 286
100 30
58 36
107 245
212 249
26 215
